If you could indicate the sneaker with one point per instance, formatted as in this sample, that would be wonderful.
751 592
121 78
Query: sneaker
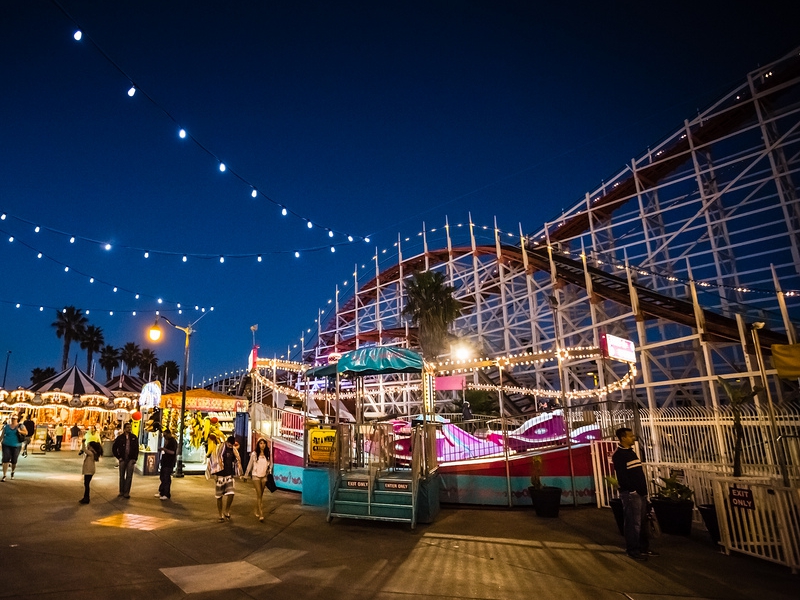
164 497
158 495
638 557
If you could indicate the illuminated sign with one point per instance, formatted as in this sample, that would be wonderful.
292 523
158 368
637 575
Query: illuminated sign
321 445
334 357
618 348
151 395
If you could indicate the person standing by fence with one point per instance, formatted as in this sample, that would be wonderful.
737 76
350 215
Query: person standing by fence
633 493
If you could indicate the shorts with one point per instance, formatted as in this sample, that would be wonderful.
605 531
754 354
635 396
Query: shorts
223 487
10 454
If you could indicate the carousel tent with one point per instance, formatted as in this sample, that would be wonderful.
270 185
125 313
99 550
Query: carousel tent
130 384
73 381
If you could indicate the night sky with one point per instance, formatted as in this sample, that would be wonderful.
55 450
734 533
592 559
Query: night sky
366 118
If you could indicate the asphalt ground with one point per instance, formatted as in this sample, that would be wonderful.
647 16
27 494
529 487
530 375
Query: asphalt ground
52 547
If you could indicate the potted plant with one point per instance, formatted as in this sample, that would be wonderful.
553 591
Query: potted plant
673 506
545 499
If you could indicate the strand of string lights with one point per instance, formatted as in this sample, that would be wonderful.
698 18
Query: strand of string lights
80 35
179 310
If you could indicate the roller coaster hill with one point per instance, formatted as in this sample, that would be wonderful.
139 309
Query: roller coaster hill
691 252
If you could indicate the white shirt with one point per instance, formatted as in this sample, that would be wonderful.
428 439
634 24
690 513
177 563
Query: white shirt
260 466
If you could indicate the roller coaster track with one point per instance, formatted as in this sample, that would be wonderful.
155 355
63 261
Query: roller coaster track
652 305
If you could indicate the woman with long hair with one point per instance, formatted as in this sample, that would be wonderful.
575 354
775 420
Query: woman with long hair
258 467
94 450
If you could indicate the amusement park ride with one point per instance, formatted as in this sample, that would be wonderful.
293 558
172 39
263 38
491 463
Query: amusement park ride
683 252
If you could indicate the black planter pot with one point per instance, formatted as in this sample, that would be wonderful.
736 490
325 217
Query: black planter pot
619 514
709 514
674 517
546 500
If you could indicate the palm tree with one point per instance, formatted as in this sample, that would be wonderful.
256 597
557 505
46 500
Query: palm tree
69 324
431 307
92 341
168 371
148 362
38 374
131 355
109 360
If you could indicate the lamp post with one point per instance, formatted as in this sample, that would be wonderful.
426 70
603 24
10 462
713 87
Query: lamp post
8 355
155 335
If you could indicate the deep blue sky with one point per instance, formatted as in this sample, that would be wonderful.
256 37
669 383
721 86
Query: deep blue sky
366 117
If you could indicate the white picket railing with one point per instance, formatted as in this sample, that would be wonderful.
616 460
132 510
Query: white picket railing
764 524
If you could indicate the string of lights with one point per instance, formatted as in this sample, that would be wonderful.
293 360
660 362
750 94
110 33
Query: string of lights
135 87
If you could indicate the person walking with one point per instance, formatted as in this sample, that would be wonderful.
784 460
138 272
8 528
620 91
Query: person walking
126 451
91 435
259 466
12 437
74 437
59 436
30 429
225 464
633 493
169 452
94 450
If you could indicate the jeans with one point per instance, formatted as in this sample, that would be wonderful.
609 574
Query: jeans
87 479
126 476
634 507
166 482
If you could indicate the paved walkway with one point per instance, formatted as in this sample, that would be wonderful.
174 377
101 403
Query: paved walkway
53 547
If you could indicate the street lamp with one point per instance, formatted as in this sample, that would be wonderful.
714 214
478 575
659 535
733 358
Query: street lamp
155 334
6 370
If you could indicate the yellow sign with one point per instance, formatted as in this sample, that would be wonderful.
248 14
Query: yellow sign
321 445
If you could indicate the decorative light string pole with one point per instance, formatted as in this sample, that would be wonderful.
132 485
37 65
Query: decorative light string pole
155 335
5 372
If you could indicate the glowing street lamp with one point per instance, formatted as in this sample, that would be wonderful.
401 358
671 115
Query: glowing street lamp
155 335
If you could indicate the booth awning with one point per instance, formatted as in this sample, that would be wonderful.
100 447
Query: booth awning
380 360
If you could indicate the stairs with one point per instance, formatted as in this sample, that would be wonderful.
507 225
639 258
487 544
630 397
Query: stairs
381 497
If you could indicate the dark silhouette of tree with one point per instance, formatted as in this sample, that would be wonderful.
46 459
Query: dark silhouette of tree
148 363
109 360
431 307
38 375
131 355
91 341
70 324
168 371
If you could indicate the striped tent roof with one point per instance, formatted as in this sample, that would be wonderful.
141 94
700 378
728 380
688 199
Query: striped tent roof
73 381
132 384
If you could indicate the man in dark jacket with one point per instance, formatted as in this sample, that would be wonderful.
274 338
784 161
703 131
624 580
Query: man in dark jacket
169 453
633 493
126 451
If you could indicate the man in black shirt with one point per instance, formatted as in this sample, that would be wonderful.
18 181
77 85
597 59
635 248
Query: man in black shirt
126 451
168 454
633 493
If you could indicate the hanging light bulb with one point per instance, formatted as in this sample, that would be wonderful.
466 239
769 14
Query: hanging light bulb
11 239
297 255
36 229
77 35
66 269
330 233
283 212
91 279
115 288
39 255
147 255
136 296
333 249
254 193
259 258
182 133
222 167
184 258
132 91
309 224
349 238
107 246
222 259
72 240
366 240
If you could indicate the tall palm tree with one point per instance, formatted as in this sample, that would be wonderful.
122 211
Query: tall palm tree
69 324
168 371
38 374
131 355
431 307
109 360
148 362
92 341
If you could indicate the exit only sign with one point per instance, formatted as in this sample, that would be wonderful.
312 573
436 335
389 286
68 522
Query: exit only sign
741 498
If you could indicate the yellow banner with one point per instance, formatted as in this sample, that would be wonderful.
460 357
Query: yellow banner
786 359
321 444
